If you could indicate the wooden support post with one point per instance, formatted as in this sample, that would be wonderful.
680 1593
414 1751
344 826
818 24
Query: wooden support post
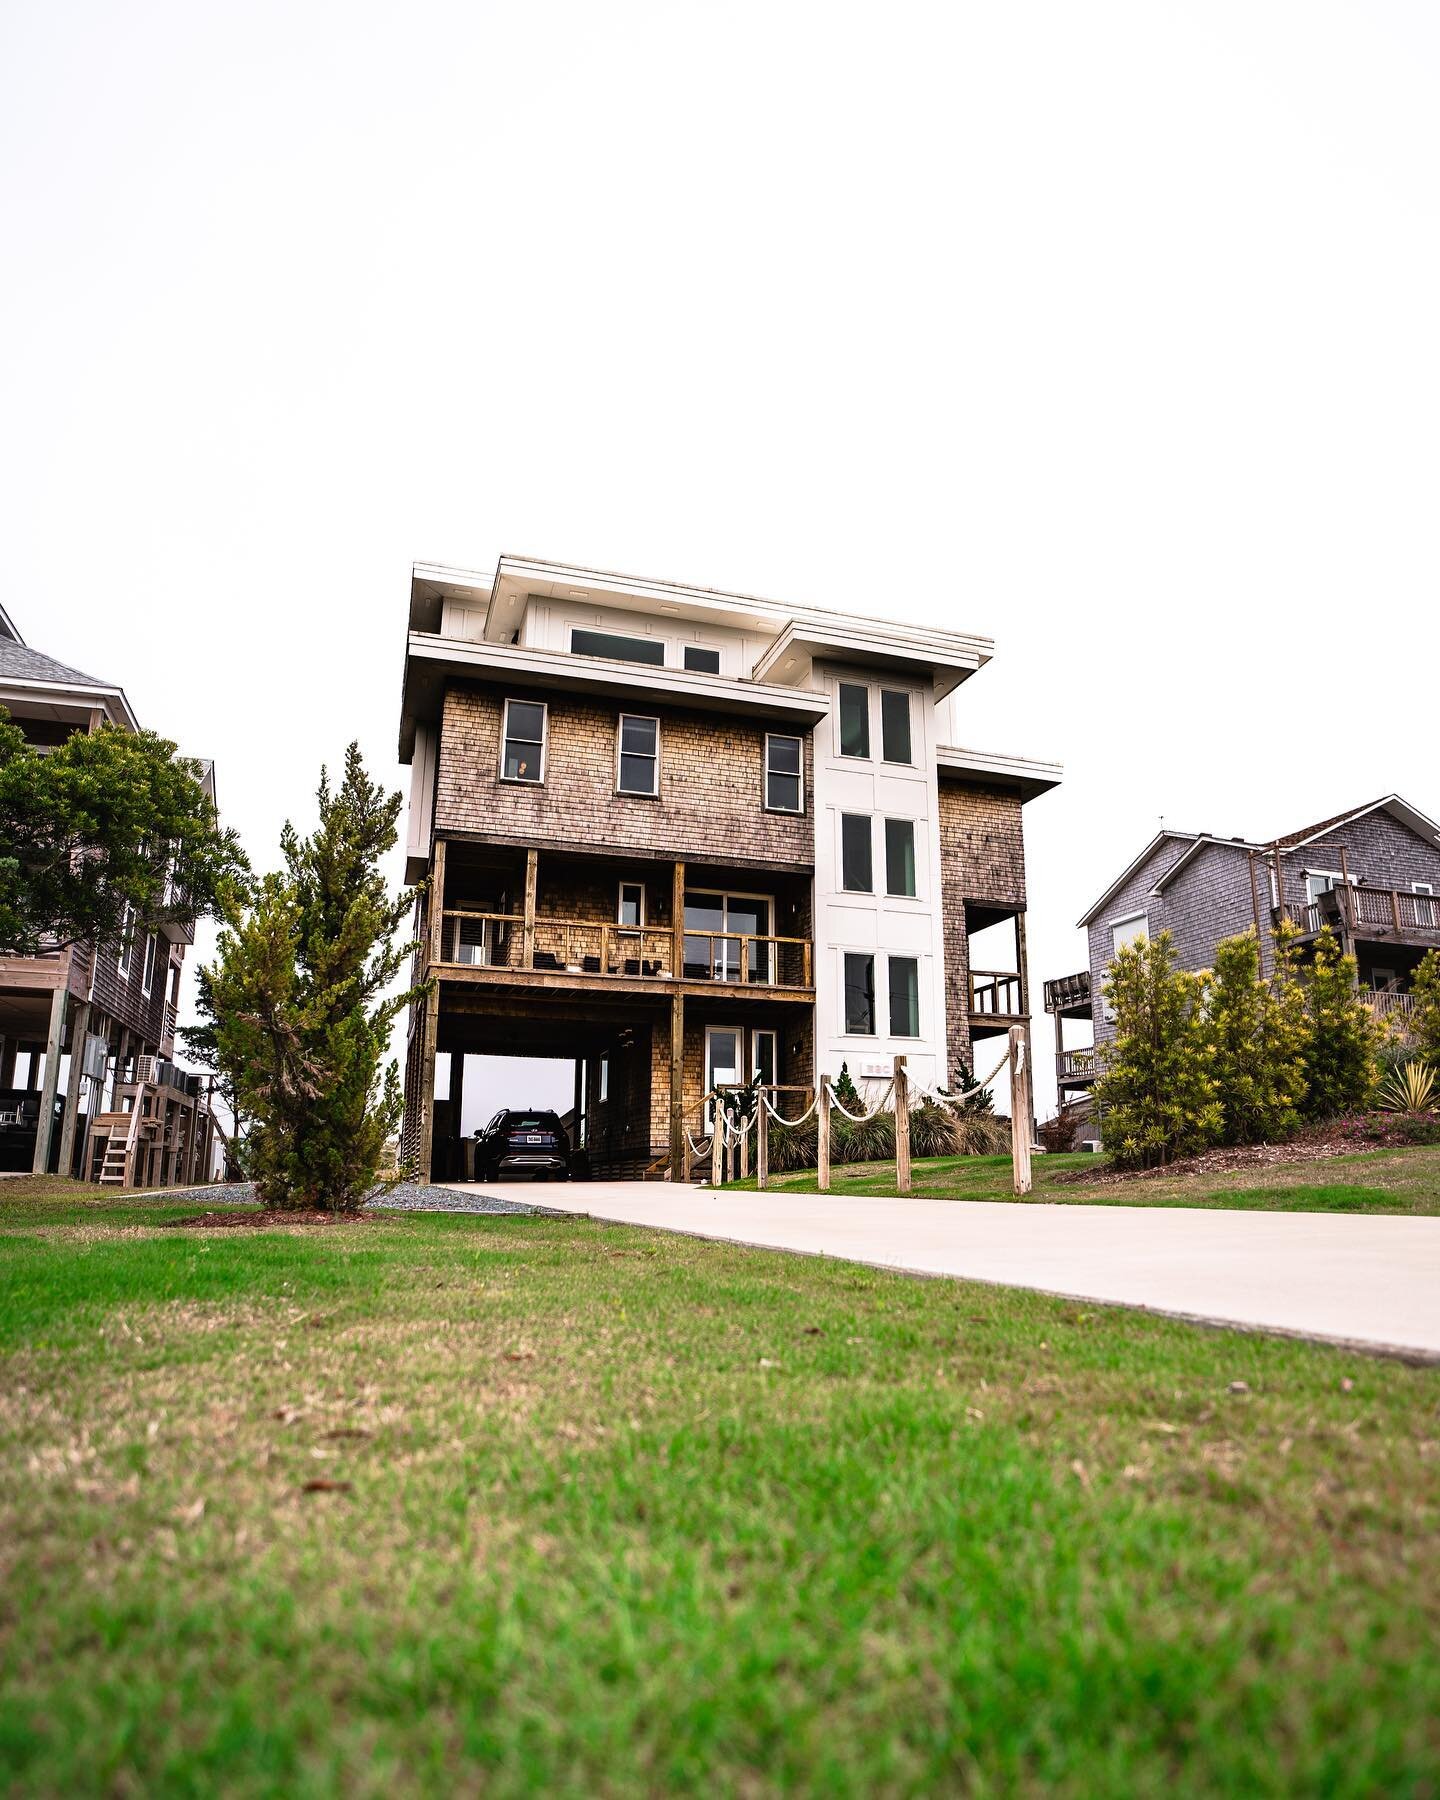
46 1124
437 904
678 1169
822 1159
762 1144
79 1024
717 1145
532 876
902 1125
1021 1089
425 1148
1279 881
677 922
1255 910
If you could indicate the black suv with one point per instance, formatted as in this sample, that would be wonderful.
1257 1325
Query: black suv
522 1143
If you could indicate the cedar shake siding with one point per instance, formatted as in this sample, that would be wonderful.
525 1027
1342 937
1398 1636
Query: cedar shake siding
711 802
982 862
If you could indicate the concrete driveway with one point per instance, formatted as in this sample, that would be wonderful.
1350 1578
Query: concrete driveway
1371 1281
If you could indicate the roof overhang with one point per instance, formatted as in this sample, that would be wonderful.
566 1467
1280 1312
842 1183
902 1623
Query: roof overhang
69 701
8 628
1201 844
1027 776
433 661
946 657
1399 809
1160 837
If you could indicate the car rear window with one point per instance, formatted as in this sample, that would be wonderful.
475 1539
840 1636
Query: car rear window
532 1122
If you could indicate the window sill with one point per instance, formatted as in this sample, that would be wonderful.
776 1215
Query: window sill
523 781
626 794
786 812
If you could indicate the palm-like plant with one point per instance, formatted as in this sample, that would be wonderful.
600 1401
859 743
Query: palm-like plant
1409 1087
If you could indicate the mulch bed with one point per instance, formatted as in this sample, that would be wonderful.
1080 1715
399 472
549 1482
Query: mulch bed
1222 1162
262 1220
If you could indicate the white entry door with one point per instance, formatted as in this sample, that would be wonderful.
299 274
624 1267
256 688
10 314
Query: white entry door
723 1045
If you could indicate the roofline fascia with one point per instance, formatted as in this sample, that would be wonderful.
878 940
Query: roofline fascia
70 690
1159 838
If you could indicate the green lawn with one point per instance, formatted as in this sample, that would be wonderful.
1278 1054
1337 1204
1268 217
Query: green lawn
611 1513
1383 1181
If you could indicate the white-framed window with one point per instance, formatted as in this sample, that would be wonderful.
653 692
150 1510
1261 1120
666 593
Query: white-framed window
522 748
1322 881
904 979
630 911
857 870
859 994
900 858
854 709
700 659
637 755
1127 931
127 939
147 971
1427 913
618 647
895 746
784 773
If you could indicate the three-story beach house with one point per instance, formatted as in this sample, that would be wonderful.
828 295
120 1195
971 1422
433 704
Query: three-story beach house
683 838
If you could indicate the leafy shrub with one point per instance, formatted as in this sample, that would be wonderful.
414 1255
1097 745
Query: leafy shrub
1157 1097
1343 1042
1410 1087
1056 1135
1425 1020
1392 1129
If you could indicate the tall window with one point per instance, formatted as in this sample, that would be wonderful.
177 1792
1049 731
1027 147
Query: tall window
639 755
904 996
895 725
859 994
147 971
631 911
618 647
854 719
127 938
1125 931
856 873
701 660
523 754
900 857
784 782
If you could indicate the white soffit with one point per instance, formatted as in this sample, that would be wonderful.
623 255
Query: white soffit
1027 774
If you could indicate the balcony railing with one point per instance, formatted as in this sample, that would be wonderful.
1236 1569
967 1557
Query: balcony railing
1075 1065
492 940
1068 992
995 993
1371 912
1386 1004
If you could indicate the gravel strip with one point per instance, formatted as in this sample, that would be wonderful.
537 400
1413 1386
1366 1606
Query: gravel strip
410 1196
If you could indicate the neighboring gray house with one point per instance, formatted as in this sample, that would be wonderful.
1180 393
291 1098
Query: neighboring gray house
1372 874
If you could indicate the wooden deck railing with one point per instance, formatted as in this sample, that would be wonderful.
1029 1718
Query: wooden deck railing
1075 1065
1367 911
1388 1005
992 992
496 940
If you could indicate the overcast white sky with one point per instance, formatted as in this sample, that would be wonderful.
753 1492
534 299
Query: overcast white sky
1109 330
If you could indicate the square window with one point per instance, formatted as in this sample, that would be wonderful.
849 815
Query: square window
895 726
859 994
639 755
1128 930
857 875
900 858
904 996
784 780
854 719
523 754
701 660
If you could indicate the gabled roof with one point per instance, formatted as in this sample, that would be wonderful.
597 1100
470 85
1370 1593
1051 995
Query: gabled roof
1202 843
1392 803
8 628
18 662
1160 837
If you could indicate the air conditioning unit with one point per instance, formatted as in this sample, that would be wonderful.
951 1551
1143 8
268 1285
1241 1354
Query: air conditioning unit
147 1068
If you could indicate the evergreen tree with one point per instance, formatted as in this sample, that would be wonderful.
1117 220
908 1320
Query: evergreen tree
1425 1020
845 1090
1342 1043
299 1007
1156 1095
1257 1038
966 1085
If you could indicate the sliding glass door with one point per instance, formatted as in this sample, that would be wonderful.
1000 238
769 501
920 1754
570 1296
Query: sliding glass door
715 924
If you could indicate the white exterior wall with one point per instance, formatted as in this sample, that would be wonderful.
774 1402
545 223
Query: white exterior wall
548 623
878 924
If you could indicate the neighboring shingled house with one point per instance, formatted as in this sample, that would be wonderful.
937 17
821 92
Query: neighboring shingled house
107 1017
1372 874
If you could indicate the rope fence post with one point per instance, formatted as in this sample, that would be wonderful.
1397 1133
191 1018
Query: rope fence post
902 1126
822 1159
1020 1109
762 1143
717 1146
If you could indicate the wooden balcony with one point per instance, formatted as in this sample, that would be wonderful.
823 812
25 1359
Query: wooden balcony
996 994
1075 1068
1373 915
1069 995
1388 1004
561 952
